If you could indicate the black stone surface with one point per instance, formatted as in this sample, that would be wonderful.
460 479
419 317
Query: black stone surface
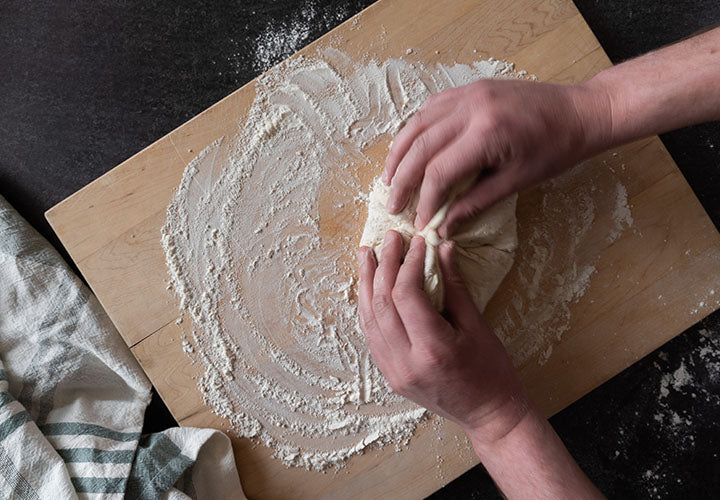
86 84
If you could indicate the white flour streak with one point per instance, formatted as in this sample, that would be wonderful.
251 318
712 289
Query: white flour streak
621 213
260 241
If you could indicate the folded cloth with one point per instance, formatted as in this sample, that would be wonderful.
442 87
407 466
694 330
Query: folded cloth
72 397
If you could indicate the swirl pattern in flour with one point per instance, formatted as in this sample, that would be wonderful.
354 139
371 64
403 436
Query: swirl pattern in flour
260 240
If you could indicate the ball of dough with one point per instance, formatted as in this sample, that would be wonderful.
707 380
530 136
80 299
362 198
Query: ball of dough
485 245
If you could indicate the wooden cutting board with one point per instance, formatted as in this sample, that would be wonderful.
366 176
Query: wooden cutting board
650 284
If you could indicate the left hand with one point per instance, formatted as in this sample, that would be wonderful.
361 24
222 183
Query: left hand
454 365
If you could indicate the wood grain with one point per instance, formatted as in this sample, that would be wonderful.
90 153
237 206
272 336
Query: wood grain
111 228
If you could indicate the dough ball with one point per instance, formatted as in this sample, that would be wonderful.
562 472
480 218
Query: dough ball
485 245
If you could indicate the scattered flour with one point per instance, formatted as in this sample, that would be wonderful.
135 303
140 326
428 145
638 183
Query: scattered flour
538 313
679 382
707 301
281 39
260 241
688 387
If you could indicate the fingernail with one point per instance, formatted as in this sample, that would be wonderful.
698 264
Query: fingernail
392 205
388 236
418 223
385 177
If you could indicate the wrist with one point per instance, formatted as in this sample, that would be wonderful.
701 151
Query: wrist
531 461
501 421
526 423
594 103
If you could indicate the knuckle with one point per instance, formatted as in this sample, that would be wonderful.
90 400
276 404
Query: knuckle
401 294
437 357
418 118
412 378
437 175
405 380
381 303
484 91
453 279
493 119
421 145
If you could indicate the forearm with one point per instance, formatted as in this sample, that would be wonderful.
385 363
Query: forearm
532 462
664 90
669 88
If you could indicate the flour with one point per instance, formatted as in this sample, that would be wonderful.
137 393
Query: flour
260 241
678 382
558 237
281 39
707 300
621 213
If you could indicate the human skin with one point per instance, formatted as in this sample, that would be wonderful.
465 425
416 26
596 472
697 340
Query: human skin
516 133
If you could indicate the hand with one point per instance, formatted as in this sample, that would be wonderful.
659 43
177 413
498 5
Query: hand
457 368
509 133
454 366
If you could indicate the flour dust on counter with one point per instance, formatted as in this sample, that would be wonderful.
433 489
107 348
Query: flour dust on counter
589 206
260 240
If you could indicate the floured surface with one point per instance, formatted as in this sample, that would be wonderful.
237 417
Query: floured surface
111 230
589 206
273 302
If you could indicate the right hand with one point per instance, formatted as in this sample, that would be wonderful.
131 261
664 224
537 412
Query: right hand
453 365
515 133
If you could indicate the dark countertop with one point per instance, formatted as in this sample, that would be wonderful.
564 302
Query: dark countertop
87 84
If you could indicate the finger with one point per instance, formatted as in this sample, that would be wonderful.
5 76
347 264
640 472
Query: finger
386 316
423 323
411 170
455 164
411 273
426 116
488 191
459 304
373 336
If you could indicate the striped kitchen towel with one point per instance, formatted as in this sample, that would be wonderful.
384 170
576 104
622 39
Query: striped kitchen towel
72 397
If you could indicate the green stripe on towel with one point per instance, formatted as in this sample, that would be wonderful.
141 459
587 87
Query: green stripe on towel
5 398
98 484
20 487
75 455
12 423
158 466
78 429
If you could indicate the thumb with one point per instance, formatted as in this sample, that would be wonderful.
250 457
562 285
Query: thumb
459 304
